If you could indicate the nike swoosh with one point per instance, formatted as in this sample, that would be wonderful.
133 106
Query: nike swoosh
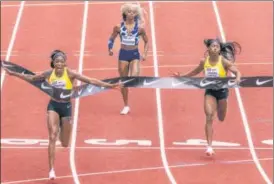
68 106
80 91
65 96
44 87
24 72
6 65
174 84
232 82
204 83
90 89
149 83
127 81
259 83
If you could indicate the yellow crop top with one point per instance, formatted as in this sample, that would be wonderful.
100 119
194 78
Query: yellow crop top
62 82
216 70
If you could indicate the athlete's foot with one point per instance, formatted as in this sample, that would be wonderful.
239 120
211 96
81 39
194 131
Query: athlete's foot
52 174
125 110
209 151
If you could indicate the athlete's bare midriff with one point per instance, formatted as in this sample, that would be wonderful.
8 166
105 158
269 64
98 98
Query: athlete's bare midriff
129 47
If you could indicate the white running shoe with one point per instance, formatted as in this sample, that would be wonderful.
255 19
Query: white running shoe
125 110
209 151
52 174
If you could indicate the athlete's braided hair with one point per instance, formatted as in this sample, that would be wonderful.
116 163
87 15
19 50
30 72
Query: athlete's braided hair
55 54
228 49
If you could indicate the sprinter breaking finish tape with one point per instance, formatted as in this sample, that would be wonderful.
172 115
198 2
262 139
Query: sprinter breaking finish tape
145 82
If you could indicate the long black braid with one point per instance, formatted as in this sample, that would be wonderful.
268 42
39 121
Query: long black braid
55 54
228 49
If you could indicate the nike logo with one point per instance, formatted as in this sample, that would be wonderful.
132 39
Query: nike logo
90 89
204 83
65 96
68 106
24 72
80 91
259 83
232 82
174 84
149 83
127 81
44 87
6 65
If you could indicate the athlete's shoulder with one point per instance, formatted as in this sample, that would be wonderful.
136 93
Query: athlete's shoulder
202 61
71 71
141 29
47 73
226 62
117 27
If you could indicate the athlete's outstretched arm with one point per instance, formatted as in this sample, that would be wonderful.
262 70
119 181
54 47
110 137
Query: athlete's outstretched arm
193 72
36 77
83 78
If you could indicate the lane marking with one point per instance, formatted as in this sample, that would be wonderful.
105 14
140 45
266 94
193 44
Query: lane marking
141 169
158 97
241 106
136 148
93 3
12 40
77 101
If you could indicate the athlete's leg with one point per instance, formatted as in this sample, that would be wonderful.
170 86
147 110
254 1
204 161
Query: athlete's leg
134 67
222 109
222 105
210 106
65 133
53 130
124 71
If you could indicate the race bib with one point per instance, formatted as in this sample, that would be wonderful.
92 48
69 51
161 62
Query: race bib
128 40
212 72
59 84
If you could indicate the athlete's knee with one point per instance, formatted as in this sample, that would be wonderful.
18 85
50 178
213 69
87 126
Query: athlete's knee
53 137
209 118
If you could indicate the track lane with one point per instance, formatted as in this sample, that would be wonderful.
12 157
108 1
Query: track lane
256 42
8 19
184 109
24 115
99 116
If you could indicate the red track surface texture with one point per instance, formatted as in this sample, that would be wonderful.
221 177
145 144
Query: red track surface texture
156 153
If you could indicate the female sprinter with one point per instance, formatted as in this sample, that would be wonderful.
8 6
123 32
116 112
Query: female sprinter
129 57
219 61
59 112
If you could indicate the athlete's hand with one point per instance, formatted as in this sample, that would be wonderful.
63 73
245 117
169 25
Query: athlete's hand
143 57
117 85
238 80
110 52
176 74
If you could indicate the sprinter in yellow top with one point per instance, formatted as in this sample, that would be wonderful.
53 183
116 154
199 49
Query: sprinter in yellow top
220 60
59 112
